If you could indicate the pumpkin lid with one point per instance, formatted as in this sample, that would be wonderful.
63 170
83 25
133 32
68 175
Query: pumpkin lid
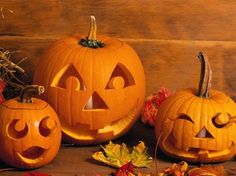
37 104
25 100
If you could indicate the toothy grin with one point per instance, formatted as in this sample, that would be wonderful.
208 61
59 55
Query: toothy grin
196 154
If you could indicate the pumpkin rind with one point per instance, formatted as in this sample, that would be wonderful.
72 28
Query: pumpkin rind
21 143
187 126
72 74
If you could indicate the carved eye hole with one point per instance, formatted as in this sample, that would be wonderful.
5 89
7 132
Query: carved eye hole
185 117
46 126
17 129
120 78
116 82
69 78
221 120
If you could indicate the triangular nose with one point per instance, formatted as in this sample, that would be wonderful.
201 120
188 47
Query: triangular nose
95 102
204 133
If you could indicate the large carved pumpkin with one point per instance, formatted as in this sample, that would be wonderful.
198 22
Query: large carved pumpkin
30 131
198 125
96 85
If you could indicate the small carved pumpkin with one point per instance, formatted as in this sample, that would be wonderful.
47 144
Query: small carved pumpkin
97 87
30 132
198 125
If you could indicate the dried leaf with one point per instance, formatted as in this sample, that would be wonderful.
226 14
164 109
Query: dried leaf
117 155
176 169
140 157
152 104
125 170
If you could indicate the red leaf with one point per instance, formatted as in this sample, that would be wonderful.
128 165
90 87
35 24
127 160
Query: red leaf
125 170
152 104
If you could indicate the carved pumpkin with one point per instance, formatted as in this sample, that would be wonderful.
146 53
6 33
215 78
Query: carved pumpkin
97 87
30 132
198 125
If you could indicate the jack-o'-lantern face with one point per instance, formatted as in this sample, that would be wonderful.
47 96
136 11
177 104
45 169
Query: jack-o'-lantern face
30 133
97 93
198 126
200 130
95 84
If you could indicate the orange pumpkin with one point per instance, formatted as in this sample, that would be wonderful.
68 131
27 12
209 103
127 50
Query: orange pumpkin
30 132
96 85
198 125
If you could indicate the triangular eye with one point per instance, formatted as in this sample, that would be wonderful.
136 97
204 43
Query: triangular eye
68 73
120 78
185 117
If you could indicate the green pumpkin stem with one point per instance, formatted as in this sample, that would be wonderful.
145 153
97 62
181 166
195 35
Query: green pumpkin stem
29 91
205 77
91 40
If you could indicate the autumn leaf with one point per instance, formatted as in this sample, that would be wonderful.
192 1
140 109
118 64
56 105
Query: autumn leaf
125 170
116 155
140 157
151 105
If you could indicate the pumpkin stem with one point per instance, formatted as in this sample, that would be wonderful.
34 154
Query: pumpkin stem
29 91
91 40
92 35
205 77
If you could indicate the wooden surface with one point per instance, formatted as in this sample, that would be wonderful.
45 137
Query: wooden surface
166 34
77 161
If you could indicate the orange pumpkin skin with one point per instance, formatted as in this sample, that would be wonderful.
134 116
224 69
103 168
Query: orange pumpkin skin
30 133
112 75
183 115
198 125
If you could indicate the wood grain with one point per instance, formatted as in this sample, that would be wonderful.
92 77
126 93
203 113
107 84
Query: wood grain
170 63
166 34
160 19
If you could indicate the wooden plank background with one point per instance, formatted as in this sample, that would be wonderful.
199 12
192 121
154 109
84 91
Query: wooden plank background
166 34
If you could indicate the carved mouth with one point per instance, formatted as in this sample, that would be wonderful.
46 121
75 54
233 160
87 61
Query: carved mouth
196 154
32 155
83 133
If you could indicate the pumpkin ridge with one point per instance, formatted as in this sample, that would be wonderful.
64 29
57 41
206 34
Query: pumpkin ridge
47 53
45 106
226 127
165 113
175 100
190 132
70 111
188 105
51 65
61 64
